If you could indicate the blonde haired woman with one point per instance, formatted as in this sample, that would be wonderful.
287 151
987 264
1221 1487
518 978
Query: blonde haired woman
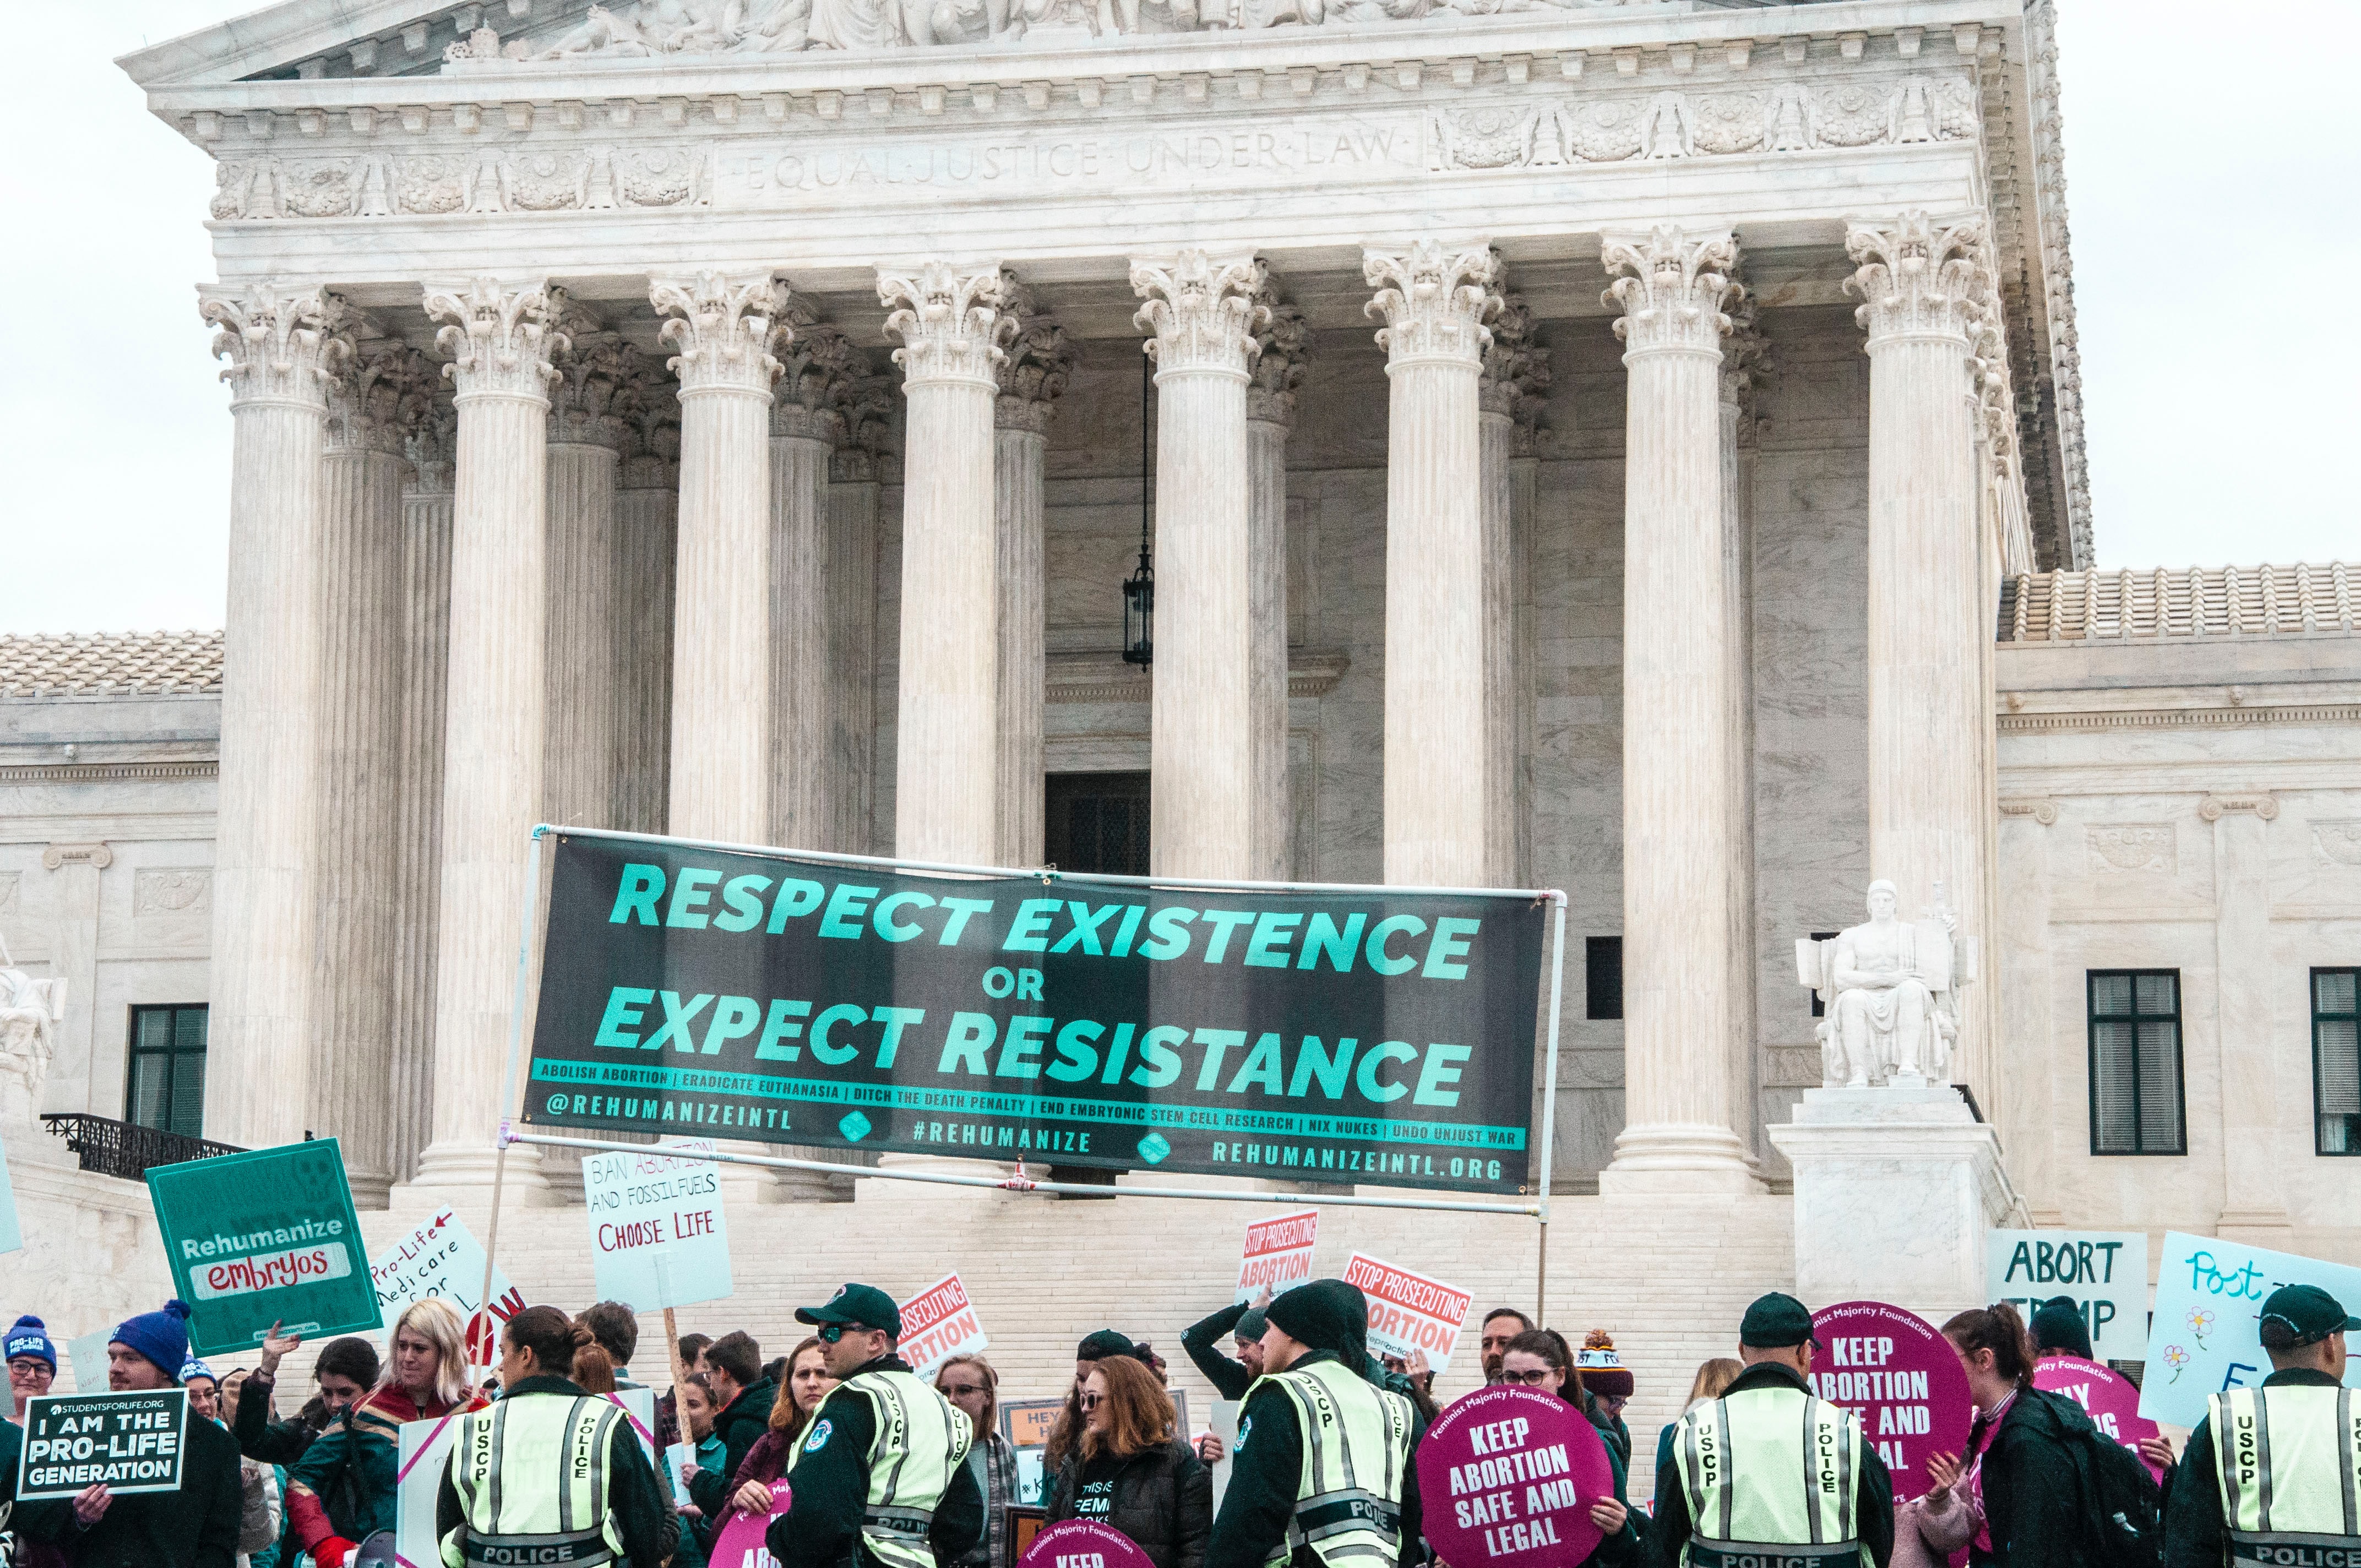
344 1491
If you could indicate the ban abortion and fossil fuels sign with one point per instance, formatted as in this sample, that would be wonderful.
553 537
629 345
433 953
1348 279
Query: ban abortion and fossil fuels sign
1363 1036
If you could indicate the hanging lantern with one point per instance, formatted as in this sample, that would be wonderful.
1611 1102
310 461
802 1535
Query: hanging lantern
1139 588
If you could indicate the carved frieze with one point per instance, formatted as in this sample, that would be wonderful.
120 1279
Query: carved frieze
173 890
380 185
2132 849
2337 843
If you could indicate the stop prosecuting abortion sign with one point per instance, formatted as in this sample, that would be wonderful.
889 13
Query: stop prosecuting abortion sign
1409 1311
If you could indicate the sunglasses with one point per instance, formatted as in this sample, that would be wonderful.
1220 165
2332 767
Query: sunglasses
1530 1379
828 1333
1091 1401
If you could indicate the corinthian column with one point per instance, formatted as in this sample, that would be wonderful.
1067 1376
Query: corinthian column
499 345
280 347
1507 361
1930 721
805 426
853 495
946 770
1679 723
1530 435
1201 784
432 446
721 757
647 494
1032 375
357 851
1434 300
1742 360
584 742
1283 344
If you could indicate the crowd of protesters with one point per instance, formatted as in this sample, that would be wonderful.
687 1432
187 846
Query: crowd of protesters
321 1486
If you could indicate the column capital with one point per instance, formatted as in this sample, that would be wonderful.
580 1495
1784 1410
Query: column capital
647 400
280 340
431 436
1282 355
1202 308
1676 286
819 363
867 410
1918 276
1036 365
590 374
372 390
499 339
1516 365
1435 301
1746 363
948 321
721 323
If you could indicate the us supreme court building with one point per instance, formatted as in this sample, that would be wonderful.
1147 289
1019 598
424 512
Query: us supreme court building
1630 448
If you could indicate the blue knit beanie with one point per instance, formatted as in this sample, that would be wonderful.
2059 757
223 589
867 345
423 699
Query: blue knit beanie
162 1337
30 1337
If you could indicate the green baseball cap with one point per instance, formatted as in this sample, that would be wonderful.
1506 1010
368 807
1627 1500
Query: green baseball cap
862 1305
2312 1312
1775 1322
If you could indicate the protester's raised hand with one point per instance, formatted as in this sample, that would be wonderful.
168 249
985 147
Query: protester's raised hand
89 1505
1421 1371
1262 1300
1609 1515
1943 1470
275 1346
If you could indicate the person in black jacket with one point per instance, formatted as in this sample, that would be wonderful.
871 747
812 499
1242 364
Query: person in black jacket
195 1527
1243 1324
734 1364
347 1370
2025 1449
1132 1472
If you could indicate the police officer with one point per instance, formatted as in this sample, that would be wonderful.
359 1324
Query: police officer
880 1478
1768 1471
1352 1500
550 1476
2271 1474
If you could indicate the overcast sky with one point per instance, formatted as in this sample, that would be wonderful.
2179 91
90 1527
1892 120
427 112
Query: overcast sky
2213 181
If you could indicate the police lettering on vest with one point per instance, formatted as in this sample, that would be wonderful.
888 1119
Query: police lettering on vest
2288 1461
531 1474
922 1440
1356 1459
1773 1476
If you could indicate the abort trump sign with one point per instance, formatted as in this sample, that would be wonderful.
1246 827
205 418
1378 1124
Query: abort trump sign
1339 1034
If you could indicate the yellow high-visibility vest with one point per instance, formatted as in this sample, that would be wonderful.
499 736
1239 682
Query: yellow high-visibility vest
922 1440
531 1471
1355 1462
1772 1475
2289 1463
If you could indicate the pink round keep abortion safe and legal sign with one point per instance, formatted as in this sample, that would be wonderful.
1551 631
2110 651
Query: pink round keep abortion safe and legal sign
1903 1377
1083 1543
1506 1479
740 1544
2107 1395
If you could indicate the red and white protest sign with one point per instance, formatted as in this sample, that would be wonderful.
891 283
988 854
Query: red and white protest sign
1278 1255
442 1258
938 1323
1409 1311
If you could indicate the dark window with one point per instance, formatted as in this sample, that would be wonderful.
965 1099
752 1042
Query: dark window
2135 1062
1097 822
166 1088
1820 1008
1602 976
2337 1059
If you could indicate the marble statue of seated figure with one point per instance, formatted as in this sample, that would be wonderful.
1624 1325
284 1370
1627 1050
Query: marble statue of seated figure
1890 979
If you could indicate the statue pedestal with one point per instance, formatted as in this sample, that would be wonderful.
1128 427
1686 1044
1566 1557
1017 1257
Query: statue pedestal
1894 1189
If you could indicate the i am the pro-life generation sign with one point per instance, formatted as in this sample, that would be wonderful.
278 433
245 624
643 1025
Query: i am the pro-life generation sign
132 1442
2105 1273
1362 1035
263 1238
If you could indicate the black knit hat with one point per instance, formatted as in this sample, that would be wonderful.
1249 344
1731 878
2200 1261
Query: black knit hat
1326 1314
1104 1342
2057 1325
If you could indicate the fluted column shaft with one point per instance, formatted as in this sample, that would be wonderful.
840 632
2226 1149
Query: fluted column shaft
357 849
492 781
586 715
804 814
646 544
1020 448
1438 823
1679 719
1495 432
1201 725
280 348
1929 718
1524 500
1267 799
426 634
721 716
947 760
1737 643
852 504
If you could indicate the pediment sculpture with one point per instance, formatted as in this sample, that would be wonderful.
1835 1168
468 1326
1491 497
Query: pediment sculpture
1890 989
30 1011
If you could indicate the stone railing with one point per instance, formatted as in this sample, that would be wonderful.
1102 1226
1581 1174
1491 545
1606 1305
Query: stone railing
127 1150
2160 604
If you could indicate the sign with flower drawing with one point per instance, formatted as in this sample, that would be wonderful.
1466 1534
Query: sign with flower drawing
2205 1334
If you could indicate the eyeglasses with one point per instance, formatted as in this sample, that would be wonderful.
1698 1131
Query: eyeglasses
955 1389
1531 1380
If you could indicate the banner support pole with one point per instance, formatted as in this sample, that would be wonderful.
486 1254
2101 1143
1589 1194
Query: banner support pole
1549 1107
509 1081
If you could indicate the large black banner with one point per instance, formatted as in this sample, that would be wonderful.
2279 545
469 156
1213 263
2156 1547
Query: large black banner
1319 1037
